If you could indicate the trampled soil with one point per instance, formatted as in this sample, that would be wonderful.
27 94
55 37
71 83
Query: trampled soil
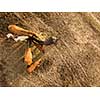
74 61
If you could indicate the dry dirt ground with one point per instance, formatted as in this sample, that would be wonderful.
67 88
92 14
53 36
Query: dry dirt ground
74 61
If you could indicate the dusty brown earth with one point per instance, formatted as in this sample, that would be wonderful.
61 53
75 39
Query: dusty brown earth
74 61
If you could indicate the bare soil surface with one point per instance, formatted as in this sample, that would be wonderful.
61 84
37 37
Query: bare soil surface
74 61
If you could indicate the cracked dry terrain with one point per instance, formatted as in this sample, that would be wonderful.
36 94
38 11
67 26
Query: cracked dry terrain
74 61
